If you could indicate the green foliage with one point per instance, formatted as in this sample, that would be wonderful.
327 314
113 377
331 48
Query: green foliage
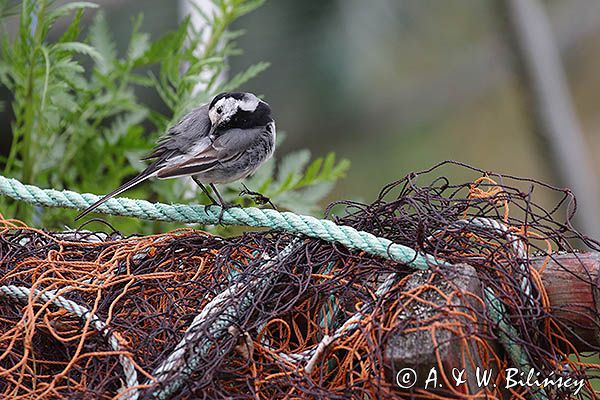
80 124
299 184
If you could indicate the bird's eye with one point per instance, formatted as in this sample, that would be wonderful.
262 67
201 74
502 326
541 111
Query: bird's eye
219 110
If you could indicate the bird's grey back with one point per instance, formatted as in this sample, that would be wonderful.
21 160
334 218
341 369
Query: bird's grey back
231 156
181 136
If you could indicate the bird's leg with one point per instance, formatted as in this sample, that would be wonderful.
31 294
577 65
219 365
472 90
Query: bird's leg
221 201
205 190
258 198
207 193
224 205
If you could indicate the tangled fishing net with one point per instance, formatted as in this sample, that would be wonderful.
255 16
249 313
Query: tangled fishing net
268 315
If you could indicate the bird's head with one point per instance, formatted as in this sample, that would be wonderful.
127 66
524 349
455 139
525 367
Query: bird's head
237 110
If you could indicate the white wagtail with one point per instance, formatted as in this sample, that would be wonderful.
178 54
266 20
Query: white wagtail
220 142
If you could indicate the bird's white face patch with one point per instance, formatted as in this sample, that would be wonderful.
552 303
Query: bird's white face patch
226 107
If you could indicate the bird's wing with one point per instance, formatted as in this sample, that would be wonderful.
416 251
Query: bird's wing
226 148
193 128
183 135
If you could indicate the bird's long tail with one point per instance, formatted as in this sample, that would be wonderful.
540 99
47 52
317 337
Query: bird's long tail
142 176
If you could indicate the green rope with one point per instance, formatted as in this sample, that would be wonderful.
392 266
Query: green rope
506 333
249 216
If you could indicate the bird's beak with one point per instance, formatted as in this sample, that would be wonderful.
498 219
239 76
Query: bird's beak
213 129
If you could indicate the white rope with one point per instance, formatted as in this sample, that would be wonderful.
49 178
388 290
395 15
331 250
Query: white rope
186 356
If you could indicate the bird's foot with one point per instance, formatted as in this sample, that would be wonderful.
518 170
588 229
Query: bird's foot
222 208
257 197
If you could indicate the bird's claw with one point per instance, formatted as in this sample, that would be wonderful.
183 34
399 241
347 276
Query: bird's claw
257 197
223 208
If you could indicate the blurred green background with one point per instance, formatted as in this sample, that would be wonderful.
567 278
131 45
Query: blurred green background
397 86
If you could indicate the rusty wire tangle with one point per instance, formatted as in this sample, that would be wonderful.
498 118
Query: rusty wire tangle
268 315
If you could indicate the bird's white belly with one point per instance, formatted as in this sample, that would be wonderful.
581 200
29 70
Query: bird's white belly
224 175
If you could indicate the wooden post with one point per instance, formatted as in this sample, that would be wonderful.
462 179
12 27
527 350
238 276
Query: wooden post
425 349
574 301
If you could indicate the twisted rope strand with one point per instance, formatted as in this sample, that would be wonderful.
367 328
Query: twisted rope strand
184 360
249 216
